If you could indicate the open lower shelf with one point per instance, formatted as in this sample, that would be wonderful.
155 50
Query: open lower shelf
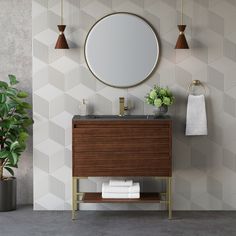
144 198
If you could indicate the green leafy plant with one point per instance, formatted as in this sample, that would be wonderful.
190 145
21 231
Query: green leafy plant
160 96
14 124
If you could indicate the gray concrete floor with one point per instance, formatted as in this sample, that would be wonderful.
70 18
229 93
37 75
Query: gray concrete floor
24 221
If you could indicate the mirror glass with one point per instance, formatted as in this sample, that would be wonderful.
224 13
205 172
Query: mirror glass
121 50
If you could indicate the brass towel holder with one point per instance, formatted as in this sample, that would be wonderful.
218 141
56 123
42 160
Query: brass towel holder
196 83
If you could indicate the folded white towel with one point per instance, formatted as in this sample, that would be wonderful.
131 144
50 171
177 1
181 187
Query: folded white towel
114 182
135 188
121 195
196 120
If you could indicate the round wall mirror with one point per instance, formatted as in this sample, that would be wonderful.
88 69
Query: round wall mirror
121 50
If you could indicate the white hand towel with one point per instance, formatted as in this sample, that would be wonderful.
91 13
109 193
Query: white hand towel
114 182
106 188
121 195
196 120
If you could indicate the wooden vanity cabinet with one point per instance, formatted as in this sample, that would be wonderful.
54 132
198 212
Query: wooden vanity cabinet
121 147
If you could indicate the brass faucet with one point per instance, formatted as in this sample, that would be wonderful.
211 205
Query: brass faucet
123 108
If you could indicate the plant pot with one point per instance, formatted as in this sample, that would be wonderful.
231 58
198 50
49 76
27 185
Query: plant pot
160 111
8 194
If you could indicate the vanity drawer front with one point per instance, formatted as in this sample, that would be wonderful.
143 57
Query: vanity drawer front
121 164
122 148
93 157
121 167
144 132
126 144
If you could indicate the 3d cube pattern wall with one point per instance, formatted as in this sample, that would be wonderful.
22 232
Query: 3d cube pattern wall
204 168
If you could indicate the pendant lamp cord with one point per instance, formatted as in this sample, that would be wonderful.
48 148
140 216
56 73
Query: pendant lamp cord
61 12
182 8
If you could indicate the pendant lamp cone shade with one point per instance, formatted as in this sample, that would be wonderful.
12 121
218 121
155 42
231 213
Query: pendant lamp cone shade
61 41
181 41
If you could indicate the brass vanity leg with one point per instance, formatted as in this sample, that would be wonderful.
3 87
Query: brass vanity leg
169 199
74 197
167 196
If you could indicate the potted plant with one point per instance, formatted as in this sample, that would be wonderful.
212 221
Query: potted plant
160 98
14 123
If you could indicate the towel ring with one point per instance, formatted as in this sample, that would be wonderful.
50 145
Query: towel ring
196 83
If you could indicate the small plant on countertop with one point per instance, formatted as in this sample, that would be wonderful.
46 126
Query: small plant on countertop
14 124
160 97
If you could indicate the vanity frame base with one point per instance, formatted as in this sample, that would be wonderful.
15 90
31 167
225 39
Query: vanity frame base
83 197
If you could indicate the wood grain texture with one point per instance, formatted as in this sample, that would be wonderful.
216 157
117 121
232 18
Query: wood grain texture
144 198
122 148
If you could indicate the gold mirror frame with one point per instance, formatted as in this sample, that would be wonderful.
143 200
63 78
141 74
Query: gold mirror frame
158 41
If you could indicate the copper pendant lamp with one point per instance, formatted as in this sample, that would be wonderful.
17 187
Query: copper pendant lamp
61 41
181 41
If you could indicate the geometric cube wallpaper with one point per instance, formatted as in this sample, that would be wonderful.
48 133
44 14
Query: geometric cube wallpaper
204 167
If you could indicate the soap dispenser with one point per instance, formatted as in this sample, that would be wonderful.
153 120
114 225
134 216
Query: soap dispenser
83 109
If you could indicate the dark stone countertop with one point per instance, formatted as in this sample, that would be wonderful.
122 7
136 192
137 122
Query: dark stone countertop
117 117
